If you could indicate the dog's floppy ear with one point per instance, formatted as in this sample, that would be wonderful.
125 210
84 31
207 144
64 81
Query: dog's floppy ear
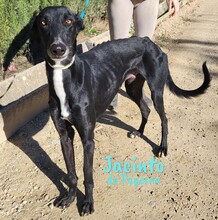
18 42
79 24
34 51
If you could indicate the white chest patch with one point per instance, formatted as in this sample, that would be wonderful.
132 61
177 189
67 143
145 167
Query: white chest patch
60 92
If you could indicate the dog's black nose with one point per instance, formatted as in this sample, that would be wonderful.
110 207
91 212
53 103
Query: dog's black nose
58 50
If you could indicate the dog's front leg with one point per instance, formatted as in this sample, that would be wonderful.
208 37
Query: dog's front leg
86 133
66 133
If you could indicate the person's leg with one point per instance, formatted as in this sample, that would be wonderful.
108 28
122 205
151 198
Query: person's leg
120 14
145 20
145 17
120 17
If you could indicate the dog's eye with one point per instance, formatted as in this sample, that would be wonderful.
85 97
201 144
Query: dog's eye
44 23
68 21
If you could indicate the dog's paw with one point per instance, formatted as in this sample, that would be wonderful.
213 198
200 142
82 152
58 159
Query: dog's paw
64 201
134 134
158 152
87 208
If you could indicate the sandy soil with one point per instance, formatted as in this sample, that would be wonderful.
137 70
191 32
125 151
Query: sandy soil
32 169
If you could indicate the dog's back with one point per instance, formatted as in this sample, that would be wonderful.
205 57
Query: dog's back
108 65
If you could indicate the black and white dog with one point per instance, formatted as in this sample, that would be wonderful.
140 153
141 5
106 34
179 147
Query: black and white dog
81 87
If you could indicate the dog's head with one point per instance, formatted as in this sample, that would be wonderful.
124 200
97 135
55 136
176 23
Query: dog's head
56 29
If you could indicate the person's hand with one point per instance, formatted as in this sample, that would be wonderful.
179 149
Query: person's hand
175 5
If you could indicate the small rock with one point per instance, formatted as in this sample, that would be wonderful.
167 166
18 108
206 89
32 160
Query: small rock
24 202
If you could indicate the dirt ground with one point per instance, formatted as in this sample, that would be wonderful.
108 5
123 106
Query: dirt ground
32 169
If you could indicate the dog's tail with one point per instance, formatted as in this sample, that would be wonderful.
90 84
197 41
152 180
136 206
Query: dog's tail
190 93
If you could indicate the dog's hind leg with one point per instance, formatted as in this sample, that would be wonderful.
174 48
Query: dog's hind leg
134 89
66 133
157 97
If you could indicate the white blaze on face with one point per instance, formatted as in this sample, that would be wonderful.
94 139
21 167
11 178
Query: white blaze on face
60 92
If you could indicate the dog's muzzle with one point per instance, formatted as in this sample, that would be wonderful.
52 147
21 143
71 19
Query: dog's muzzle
58 50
